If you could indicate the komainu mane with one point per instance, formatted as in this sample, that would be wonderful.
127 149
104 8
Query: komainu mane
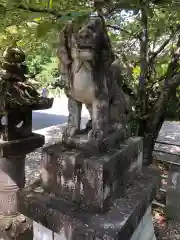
93 77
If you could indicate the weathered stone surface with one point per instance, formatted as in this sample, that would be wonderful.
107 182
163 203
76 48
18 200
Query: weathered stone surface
16 139
173 193
167 153
145 229
170 133
90 180
167 147
41 233
82 142
166 157
21 146
15 228
119 222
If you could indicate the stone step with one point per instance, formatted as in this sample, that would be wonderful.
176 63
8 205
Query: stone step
91 181
74 223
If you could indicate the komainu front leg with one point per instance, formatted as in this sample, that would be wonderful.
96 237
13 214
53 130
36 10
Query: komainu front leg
74 118
100 119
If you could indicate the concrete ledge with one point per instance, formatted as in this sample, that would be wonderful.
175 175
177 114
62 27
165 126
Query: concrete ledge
119 223
145 229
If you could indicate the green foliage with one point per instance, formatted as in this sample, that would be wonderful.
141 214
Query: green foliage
43 68
34 25
162 24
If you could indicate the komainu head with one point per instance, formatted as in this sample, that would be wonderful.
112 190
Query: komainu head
89 42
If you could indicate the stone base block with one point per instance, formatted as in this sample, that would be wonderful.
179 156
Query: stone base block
173 193
126 219
91 181
144 231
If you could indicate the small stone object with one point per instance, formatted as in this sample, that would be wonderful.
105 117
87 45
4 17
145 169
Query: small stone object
21 218
44 92
18 97
13 65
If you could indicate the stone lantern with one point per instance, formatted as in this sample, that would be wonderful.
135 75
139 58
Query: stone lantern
18 98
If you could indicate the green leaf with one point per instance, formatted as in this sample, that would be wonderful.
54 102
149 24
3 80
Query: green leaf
42 29
50 3
2 10
12 29
66 18
38 19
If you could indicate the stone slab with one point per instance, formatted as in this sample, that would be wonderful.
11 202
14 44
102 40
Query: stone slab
170 132
173 193
145 230
90 180
82 142
119 222
167 152
166 157
21 146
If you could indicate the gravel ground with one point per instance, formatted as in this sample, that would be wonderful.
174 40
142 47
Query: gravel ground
32 164
169 231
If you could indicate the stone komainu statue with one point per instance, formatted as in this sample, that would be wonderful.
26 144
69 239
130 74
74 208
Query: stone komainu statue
93 78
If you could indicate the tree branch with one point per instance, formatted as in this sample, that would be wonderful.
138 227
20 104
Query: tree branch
129 68
172 81
175 81
166 42
160 106
143 60
41 10
123 30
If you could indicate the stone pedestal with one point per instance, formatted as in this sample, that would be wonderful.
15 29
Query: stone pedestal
144 231
90 180
125 220
169 154
115 205
173 193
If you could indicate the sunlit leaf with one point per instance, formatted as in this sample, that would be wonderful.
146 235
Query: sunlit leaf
42 29
12 29
37 19
50 3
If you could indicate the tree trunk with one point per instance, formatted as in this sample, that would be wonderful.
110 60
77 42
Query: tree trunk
150 135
